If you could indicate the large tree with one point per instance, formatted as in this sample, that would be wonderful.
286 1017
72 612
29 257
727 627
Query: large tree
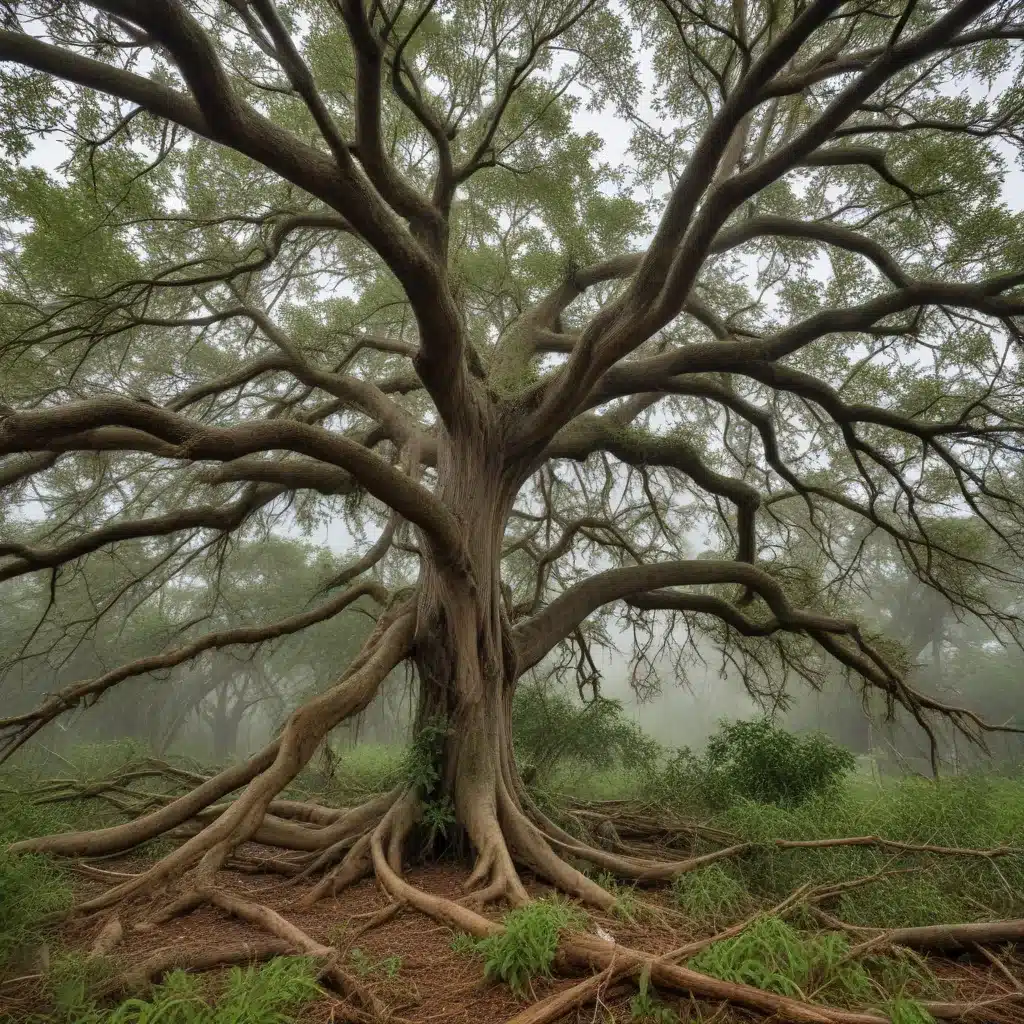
347 260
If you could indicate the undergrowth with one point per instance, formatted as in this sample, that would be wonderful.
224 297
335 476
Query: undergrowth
31 887
272 993
711 895
526 949
771 954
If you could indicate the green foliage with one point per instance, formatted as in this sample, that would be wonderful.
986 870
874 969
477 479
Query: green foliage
551 729
439 817
31 887
364 965
908 1011
463 943
965 812
644 1008
757 760
772 955
421 766
272 993
526 949
711 894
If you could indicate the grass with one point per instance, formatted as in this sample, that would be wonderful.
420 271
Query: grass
771 954
713 895
527 947
272 993
970 812
31 887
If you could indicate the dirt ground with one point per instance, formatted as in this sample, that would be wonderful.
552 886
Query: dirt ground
433 982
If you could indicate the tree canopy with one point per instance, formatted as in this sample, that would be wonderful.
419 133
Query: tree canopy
356 261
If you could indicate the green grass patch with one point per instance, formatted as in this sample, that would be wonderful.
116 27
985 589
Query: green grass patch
31 886
771 954
272 993
527 947
711 895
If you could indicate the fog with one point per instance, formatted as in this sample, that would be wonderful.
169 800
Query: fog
225 705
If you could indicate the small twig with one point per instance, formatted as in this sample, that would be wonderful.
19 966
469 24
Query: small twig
998 964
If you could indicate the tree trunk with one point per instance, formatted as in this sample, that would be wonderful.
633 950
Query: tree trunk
463 649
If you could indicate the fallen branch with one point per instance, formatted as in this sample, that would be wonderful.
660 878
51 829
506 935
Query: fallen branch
934 938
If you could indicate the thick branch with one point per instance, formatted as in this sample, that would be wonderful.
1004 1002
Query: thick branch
37 429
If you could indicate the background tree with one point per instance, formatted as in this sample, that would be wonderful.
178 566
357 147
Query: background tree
345 260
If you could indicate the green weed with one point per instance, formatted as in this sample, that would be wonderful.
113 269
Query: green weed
908 1011
464 943
772 955
269 994
711 895
364 965
527 947
31 887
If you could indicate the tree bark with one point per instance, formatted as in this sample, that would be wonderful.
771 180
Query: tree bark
464 651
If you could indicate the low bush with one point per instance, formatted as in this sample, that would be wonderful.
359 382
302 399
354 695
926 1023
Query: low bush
527 947
757 761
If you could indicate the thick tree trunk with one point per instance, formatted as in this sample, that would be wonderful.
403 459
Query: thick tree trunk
463 648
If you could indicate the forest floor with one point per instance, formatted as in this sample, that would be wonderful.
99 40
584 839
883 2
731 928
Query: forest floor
421 971
410 964
408 960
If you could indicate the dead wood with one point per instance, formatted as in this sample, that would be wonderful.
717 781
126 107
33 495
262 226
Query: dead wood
938 938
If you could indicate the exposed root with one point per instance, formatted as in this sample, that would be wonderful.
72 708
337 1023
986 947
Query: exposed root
270 773
184 904
271 921
156 966
356 864
110 936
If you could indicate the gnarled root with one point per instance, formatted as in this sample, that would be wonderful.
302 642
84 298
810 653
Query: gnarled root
268 774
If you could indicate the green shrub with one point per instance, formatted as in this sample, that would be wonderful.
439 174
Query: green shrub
755 761
527 947
758 761
550 729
